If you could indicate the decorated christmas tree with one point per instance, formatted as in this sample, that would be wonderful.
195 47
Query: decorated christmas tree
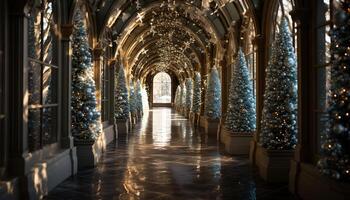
177 96
183 95
213 96
240 116
145 103
197 93
279 120
335 150
121 110
139 96
189 88
132 97
86 121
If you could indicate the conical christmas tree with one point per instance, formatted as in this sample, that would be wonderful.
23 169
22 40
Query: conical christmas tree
189 88
86 122
183 95
139 96
121 110
240 116
197 93
177 96
132 97
213 96
335 150
279 121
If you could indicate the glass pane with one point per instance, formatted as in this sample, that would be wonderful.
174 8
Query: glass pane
323 41
162 88
34 82
34 34
47 33
322 124
49 81
105 110
34 142
288 7
49 129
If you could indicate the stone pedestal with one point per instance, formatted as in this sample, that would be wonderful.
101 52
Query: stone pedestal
274 165
187 113
236 143
195 118
202 120
252 151
310 184
211 126
122 127
88 153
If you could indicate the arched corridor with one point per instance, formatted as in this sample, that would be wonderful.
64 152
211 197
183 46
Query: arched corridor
165 157
174 99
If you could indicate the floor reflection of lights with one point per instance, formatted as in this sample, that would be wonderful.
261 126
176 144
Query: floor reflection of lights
166 158
161 127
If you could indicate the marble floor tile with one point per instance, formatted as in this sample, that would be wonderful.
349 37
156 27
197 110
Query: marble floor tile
165 158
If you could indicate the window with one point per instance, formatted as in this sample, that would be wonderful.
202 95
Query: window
323 41
105 88
288 6
3 146
162 88
250 50
42 75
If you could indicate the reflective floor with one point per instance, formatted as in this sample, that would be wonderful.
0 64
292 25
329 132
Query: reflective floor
166 158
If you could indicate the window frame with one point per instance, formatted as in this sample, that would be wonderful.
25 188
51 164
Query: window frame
250 51
154 84
45 66
322 78
3 90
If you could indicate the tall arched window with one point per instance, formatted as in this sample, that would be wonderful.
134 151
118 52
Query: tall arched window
106 81
322 68
42 74
287 6
162 88
249 49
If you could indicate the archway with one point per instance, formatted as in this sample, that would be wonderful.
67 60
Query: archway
162 89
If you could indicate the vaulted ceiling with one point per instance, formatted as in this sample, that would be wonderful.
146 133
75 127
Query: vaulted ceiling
178 36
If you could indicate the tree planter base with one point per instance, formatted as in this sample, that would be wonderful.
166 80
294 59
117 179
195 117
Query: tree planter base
310 184
252 151
211 126
236 143
195 119
187 114
88 153
122 127
274 165
202 120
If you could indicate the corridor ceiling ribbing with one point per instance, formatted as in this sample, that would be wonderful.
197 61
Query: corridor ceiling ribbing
178 36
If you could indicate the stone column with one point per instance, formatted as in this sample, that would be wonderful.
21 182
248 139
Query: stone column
112 70
18 94
97 57
18 76
258 43
66 77
306 132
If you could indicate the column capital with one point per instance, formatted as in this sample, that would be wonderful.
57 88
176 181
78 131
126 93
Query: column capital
97 53
258 39
66 31
299 15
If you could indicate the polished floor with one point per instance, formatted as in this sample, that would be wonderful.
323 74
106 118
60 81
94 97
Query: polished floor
166 158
